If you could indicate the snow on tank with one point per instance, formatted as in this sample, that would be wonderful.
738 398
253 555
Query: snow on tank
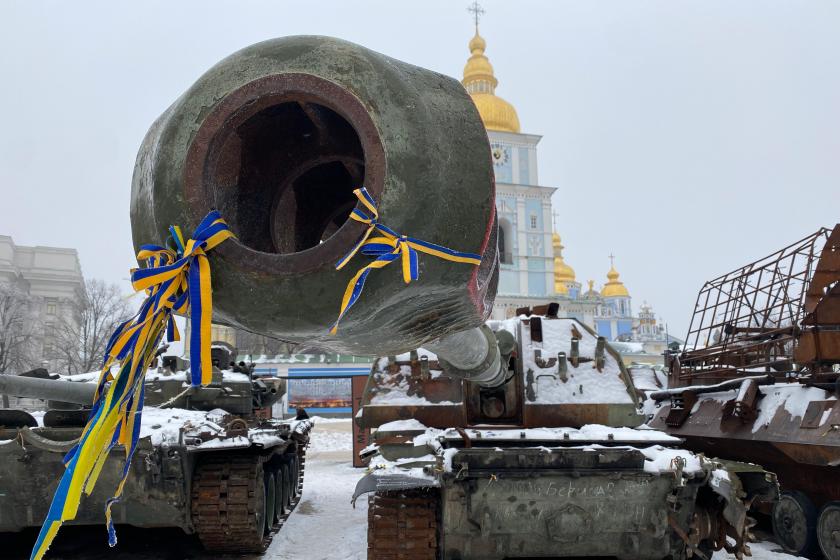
583 381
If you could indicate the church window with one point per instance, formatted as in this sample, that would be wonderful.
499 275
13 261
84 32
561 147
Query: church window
533 222
502 244
51 308
505 256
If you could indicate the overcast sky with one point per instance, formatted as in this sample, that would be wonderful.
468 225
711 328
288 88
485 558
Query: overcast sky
687 138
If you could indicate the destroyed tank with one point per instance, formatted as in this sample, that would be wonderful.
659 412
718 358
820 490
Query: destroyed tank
544 461
280 138
218 467
759 380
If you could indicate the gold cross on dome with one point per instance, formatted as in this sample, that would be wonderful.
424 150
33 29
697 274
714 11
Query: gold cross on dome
477 11
612 260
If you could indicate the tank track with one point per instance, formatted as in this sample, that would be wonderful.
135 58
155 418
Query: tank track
403 525
225 498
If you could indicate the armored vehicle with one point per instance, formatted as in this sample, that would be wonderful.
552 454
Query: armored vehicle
217 468
544 461
759 380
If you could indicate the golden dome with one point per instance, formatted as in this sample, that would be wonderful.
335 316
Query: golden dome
614 287
562 272
480 82
496 113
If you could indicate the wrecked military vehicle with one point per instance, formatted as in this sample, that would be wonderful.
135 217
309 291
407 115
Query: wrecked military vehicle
547 460
219 467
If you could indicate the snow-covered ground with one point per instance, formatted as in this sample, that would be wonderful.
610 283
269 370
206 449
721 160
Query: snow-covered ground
324 525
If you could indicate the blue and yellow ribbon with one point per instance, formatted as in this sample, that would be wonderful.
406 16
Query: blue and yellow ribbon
387 246
176 281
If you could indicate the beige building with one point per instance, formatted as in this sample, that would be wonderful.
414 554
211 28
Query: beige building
52 278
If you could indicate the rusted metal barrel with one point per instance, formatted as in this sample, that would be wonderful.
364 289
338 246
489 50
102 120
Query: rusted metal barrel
276 137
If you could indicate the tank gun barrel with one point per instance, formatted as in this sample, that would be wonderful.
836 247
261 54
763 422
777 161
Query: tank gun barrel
472 355
288 195
47 389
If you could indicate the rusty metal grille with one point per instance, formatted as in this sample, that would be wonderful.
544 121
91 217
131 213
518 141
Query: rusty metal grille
746 321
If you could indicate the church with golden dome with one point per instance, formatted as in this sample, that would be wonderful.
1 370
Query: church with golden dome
533 270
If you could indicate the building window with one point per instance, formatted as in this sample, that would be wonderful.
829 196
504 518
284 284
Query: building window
502 254
51 308
533 221
505 242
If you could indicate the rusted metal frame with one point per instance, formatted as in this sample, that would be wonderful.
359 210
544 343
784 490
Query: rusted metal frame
729 294
805 288
734 371
772 257
705 371
740 300
735 287
768 288
691 323
705 361
706 353
782 293
755 293
710 329
794 312
738 318
731 301
728 373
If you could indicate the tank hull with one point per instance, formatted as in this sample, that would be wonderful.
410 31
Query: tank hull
502 498
155 494
201 484
802 449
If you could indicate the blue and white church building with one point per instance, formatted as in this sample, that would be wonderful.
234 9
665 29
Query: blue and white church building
533 271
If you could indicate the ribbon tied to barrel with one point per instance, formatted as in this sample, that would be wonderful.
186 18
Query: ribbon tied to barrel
386 247
176 281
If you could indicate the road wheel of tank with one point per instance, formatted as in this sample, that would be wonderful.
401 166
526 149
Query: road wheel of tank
294 472
282 491
288 483
828 530
228 504
794 523
270 501
403 525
